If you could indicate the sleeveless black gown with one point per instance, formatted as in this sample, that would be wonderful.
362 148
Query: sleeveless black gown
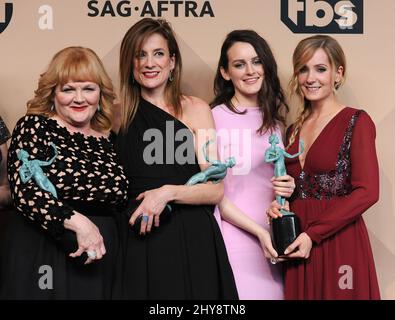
185 257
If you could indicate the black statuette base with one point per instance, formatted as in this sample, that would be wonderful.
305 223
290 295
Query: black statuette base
284 231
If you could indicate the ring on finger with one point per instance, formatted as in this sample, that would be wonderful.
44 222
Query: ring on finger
91 254
145 218
273 260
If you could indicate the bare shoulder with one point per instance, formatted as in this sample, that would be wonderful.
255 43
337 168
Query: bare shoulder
194 104
196 113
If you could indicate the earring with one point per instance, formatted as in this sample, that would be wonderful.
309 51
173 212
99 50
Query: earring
52 107
171 78
336 86
98 108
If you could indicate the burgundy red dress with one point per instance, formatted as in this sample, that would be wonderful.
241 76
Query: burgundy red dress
339 182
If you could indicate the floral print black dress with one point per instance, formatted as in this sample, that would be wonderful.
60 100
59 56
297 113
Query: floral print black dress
88 179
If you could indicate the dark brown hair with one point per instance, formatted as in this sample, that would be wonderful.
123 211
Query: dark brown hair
271 98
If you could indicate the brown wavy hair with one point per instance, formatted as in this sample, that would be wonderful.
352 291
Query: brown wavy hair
271 99
304 51
129 88
76 64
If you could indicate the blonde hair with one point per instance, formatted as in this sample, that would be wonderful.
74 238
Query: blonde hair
76 64
131 45
304 51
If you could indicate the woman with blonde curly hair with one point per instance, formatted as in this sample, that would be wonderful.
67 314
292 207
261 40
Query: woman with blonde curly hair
62 241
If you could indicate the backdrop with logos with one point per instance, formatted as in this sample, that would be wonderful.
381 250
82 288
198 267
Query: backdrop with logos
32 31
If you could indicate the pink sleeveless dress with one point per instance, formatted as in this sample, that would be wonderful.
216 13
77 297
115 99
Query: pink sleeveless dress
248 186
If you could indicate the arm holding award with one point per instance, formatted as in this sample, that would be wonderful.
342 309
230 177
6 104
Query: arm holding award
215 173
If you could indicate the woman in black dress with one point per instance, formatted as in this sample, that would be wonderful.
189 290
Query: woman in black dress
182 255
62 244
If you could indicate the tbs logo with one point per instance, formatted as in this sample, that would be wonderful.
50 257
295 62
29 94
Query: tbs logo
318 16
5 15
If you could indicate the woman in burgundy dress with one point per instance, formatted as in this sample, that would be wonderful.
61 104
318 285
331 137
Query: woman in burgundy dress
337 180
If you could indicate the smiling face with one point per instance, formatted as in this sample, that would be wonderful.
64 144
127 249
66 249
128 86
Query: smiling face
152 65
76 103
245 70
317 77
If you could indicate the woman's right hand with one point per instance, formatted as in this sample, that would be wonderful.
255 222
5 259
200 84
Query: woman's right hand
88 237
273 212
283 186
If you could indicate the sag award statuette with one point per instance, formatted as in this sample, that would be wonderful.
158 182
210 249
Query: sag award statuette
32 170
284 230
215 173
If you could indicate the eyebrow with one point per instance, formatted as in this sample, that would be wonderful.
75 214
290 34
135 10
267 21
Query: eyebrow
158 49
243 60
85 85
314 66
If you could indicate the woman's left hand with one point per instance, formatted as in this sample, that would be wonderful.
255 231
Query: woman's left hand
303 244
152 205
283 186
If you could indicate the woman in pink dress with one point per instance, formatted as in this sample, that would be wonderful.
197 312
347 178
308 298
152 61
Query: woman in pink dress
337 180
247 109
